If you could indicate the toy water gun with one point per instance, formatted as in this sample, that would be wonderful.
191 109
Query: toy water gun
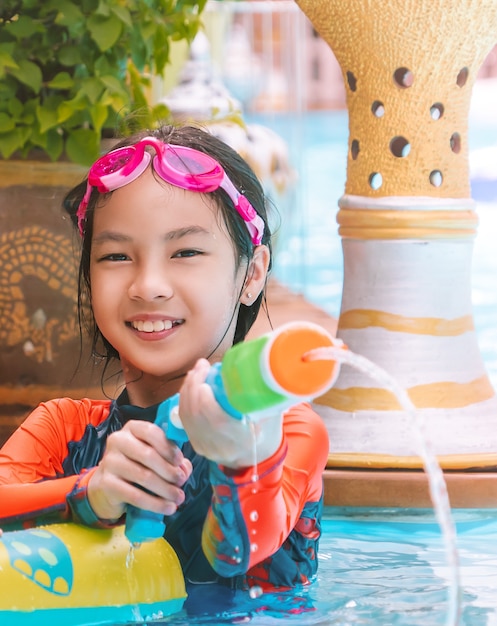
255 379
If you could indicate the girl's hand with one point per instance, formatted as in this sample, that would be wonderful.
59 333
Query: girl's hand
218 436
138 457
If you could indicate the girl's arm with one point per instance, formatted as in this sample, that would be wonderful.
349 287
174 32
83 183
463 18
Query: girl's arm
250 520
33 486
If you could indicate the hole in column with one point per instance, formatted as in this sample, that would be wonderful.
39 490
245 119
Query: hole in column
436 110
375 180
462 77
455 143
378 108
403 77
354 149
436 178
400 147
352 81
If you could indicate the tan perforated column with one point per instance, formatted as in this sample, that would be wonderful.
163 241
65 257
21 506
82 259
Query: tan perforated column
408 223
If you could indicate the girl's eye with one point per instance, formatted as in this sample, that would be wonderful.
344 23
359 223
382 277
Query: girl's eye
186 253
114 257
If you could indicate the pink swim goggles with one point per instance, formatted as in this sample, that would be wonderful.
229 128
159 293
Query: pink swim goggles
180 166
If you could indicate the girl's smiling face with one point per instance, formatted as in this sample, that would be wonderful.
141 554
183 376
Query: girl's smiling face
165 282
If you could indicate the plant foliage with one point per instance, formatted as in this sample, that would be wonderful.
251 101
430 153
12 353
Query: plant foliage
69 70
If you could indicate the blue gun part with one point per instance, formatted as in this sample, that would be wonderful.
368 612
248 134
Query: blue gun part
144 525
168 419
215 381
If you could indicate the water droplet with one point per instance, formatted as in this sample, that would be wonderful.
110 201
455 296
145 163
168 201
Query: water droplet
130 557
255 592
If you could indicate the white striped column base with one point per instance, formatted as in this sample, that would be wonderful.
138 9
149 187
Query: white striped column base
406 306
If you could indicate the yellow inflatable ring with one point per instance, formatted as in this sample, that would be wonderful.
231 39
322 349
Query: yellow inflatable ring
73 575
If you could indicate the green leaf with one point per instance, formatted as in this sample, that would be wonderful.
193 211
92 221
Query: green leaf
68 108
24 27
103 8
6 60
29 74
82 146
105 31
68 14
6 123
47 118
15 108
10 142
91 88
98 115
113 84
62 80
69 55
123 15
51 142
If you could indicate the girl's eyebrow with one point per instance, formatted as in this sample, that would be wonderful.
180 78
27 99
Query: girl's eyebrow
187 230
111 235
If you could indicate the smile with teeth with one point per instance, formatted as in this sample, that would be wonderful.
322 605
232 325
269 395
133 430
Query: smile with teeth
149 326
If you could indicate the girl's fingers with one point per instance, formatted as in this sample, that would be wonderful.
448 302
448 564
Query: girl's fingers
139 467
149 448
153 436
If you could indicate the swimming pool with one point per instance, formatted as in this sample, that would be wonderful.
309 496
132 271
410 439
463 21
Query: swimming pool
376 568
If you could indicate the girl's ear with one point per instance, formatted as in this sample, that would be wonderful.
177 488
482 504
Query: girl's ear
256 275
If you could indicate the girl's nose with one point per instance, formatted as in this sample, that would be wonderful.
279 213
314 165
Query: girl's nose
149 284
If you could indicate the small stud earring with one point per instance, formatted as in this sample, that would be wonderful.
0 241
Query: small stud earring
249 295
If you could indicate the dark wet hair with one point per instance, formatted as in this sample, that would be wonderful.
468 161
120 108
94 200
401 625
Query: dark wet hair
245 181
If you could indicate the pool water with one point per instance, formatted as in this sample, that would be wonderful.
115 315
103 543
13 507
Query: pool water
376 568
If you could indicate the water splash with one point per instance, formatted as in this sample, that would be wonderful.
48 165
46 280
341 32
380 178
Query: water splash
255 471
130 557
132 582
436 481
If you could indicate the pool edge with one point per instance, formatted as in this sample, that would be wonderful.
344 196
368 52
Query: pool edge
406 489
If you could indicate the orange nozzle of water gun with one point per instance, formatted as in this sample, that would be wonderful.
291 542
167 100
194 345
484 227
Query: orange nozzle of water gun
290 369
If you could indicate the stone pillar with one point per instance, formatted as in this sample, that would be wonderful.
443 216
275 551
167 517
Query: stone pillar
408 222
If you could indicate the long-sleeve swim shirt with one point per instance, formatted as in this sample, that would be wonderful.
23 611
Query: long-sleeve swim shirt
230 529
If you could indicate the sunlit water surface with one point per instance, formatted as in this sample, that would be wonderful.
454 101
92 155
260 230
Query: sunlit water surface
381 568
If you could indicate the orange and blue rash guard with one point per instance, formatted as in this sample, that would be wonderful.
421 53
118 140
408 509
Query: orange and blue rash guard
230 529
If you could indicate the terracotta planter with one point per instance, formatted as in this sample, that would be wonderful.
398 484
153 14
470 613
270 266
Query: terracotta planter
40 351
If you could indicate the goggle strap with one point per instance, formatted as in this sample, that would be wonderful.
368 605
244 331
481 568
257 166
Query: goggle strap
83 205
254 222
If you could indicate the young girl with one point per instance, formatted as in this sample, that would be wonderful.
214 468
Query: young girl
175 256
